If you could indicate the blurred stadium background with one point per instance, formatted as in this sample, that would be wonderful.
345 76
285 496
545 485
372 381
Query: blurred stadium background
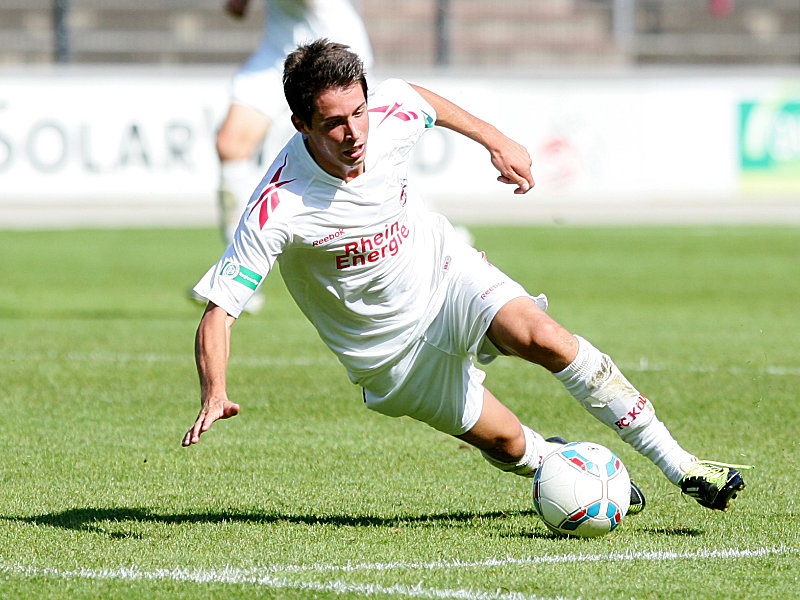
467 33
634 110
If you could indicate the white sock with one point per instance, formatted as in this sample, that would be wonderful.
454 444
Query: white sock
535 451
597 383
238 180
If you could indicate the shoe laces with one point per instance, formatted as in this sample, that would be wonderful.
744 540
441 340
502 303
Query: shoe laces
713 471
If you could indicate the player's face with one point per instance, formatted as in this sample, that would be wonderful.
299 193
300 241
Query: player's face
337 136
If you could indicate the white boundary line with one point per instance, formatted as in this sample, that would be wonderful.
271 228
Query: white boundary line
326 361
252 577
655 556
262 576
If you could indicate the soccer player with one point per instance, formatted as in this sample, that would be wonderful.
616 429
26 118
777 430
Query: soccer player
405 305
257 102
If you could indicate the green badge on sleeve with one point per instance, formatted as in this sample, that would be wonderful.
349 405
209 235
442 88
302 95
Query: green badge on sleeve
240 274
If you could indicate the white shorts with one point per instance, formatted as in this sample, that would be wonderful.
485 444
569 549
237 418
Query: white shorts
435 380
259 84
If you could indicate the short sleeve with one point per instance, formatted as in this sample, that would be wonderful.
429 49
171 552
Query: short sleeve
247 261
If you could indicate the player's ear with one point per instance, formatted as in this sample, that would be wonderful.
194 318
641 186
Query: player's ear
299 125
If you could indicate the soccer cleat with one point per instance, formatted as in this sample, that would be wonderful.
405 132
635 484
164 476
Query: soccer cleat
713 484
556 440
637 500
637 497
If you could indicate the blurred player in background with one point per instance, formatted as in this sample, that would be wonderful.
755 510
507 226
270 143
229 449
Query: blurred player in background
258 105
407 306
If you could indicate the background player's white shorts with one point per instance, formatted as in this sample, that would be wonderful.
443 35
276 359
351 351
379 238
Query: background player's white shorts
259 84
435 380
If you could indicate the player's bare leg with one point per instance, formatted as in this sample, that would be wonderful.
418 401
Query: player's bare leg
498 431
523 329
505 442
241 132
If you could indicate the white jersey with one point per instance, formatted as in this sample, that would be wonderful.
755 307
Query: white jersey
364 260
290 23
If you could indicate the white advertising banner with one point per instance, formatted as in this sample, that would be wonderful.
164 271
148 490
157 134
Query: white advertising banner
102 136
598 139
130 140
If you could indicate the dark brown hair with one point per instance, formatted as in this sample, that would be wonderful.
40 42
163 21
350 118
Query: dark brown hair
316 67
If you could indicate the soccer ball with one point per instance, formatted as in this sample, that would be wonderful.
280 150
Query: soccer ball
582 489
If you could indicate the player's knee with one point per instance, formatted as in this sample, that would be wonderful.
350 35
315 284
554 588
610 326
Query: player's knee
547 343
231 146
523 329
225 146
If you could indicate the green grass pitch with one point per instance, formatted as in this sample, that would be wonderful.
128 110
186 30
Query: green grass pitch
306 494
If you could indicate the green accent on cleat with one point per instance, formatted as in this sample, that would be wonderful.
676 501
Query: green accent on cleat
713 484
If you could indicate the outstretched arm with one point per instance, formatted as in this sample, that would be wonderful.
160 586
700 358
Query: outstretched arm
211 351
508 157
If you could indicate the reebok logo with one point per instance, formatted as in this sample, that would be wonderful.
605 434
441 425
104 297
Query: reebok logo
491 289
328 238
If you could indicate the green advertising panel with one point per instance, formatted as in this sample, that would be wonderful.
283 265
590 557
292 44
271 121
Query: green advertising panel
769 146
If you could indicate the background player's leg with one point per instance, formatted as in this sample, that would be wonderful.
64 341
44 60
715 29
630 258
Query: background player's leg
238 138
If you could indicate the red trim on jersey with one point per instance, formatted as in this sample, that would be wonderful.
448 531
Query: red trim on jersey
271 191
395 112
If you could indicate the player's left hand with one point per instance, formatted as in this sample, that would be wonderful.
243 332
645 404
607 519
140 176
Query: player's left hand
514 164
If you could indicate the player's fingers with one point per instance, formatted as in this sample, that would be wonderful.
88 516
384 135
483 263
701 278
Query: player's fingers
187 439
523 185
193 435
514 164
526 179
208 421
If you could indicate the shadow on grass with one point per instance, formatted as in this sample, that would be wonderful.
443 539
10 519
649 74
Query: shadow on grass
107 521
660 532
675 531
100 520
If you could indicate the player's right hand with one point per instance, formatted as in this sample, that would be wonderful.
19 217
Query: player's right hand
514 164
212 411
